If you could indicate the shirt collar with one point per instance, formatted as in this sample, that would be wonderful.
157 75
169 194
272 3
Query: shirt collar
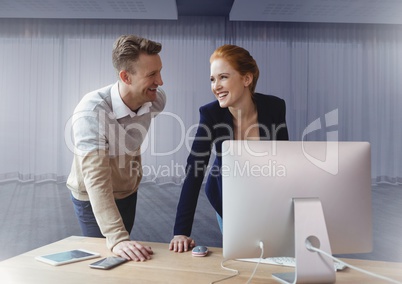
119 107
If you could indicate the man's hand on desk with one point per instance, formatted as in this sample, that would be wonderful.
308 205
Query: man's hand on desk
133 250
181 243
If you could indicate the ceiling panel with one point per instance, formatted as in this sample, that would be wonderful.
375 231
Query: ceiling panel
204 7
89 9
334 11
324 11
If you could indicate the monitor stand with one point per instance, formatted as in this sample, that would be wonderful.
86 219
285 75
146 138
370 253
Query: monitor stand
311 266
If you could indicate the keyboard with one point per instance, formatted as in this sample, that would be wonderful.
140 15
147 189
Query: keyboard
286 261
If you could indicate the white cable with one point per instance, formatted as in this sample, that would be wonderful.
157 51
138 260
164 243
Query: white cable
259 261
229 269
310 247
237 271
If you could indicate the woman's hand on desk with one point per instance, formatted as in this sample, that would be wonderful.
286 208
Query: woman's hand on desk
133 250
181 243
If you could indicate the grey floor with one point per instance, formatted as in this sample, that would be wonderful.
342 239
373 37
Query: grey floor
33 215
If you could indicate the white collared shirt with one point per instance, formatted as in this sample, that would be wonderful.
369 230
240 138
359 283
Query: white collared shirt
120 109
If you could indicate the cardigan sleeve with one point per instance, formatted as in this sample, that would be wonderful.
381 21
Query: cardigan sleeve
96 173
92 167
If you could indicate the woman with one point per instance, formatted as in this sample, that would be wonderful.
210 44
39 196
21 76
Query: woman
238 114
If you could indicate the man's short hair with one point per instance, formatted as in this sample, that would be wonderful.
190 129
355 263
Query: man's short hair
127 49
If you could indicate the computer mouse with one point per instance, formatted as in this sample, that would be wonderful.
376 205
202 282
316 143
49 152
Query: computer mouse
200 251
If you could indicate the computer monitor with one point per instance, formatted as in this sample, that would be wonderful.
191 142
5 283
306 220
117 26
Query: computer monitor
282 193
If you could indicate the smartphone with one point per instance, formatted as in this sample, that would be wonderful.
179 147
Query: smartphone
108 262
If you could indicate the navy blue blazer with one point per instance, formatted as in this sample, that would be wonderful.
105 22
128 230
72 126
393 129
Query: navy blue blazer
216 126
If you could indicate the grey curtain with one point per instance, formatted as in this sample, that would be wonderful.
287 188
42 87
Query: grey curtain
346 77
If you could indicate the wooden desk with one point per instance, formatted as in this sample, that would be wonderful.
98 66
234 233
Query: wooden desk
164 267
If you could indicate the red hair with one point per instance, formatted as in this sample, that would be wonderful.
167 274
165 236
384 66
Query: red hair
240 59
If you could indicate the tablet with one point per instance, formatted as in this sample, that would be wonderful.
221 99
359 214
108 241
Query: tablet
67 256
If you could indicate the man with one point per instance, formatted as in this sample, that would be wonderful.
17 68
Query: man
109 126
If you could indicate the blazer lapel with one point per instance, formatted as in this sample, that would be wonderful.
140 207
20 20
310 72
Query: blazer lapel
264 120
228 121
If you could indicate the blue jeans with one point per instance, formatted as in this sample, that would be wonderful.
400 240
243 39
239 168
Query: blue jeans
220 222
87 221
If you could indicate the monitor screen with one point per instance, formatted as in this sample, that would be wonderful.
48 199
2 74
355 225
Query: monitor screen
262 181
